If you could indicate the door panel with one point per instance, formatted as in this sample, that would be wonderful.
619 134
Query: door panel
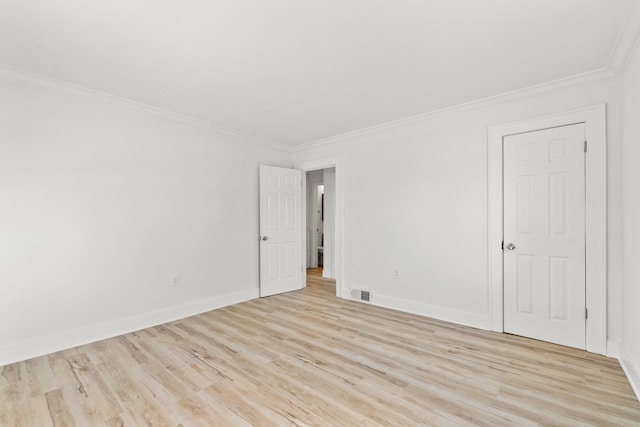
558 287
280 230
544 220
525 283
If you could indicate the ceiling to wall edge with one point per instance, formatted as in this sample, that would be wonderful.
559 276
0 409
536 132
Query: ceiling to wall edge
602 74
37 80
627 42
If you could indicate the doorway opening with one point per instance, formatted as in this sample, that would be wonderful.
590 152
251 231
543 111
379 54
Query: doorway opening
320 222
332 257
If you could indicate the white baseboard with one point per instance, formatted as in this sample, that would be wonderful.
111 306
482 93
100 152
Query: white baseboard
631 368
441 313
88 334
613 349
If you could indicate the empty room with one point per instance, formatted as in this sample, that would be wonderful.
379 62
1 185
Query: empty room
319 213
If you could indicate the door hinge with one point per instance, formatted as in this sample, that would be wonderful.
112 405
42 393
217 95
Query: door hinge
586 313
585 146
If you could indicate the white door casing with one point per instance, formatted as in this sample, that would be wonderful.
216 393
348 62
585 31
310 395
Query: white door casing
594 119
329 223
280 230
338 209
544 235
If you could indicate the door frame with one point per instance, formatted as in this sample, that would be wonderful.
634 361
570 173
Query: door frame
594 119
332 162
313 234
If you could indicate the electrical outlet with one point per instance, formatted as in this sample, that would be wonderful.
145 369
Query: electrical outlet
396 273
175 280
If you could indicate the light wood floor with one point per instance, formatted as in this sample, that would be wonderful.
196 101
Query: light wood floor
309 359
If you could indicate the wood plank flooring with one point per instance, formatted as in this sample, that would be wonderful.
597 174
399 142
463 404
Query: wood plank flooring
307 358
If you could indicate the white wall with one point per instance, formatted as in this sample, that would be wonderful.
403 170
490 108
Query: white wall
415 199
319 221
328 265
630 347
314 178
102 202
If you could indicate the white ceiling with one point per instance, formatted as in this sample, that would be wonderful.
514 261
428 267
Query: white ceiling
296 71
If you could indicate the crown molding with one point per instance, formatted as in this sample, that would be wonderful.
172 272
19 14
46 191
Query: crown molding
602 74
627 41
36 80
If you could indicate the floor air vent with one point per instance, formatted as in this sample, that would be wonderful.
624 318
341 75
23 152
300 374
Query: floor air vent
361 295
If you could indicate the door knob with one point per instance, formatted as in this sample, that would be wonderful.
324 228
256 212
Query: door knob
511 246
264 238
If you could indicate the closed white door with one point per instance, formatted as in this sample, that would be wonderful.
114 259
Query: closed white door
544 235
280 230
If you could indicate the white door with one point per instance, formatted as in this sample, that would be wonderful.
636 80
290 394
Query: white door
280 230
544 235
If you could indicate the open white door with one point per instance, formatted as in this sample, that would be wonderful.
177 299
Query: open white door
544 235
280 230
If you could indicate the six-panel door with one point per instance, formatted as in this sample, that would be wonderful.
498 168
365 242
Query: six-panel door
544 235
280 230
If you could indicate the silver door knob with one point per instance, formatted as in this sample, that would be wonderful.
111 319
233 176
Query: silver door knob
511 246
264 237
